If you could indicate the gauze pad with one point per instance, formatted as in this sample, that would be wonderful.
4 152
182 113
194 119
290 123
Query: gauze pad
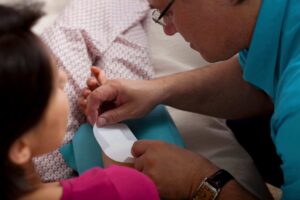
116 141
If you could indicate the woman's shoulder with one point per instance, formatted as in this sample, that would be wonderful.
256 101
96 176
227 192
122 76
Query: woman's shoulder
50 191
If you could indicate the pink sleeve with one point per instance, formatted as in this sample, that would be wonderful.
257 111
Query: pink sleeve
114 183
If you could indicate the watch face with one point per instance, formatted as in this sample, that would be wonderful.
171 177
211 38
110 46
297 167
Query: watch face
206 192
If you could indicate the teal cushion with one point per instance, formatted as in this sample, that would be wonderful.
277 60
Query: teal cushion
83 152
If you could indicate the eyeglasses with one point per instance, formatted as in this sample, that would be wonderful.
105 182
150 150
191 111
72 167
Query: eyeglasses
157 16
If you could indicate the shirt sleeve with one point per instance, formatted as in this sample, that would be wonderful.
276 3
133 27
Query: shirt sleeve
242 57
114 183
285 125
287 143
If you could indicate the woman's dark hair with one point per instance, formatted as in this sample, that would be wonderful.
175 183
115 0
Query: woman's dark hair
25 86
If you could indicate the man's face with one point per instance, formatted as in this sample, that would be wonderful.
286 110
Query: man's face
208 25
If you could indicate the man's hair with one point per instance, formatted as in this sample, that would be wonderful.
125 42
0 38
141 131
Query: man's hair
25 83
239 1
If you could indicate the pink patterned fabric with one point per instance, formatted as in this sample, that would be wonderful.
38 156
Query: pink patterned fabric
113 183
106 33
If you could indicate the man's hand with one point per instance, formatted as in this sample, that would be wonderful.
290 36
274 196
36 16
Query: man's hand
93 82
110 101
128 99
176 172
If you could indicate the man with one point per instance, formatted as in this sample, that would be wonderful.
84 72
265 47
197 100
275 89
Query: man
263 78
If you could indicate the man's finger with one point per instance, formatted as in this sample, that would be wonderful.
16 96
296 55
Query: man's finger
97 98
114 115
82 103
95 71
140 147
85 92
92 83
139 164
99 74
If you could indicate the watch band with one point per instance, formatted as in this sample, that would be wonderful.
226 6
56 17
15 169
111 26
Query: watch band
219 179
210 187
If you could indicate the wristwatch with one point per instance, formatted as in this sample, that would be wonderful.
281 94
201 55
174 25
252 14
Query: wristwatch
211 186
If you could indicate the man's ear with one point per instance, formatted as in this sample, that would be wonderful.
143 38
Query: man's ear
170 29
20 152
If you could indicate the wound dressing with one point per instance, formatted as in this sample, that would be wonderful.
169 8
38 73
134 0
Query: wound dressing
116 141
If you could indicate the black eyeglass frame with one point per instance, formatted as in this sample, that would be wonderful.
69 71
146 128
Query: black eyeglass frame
163 13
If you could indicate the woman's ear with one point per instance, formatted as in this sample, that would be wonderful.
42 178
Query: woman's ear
20 152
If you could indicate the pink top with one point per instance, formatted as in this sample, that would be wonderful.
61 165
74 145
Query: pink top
113 183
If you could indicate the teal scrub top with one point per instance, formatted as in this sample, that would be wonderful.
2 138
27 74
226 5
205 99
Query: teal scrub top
272 63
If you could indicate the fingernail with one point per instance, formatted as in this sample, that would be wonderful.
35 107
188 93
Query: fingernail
101 121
